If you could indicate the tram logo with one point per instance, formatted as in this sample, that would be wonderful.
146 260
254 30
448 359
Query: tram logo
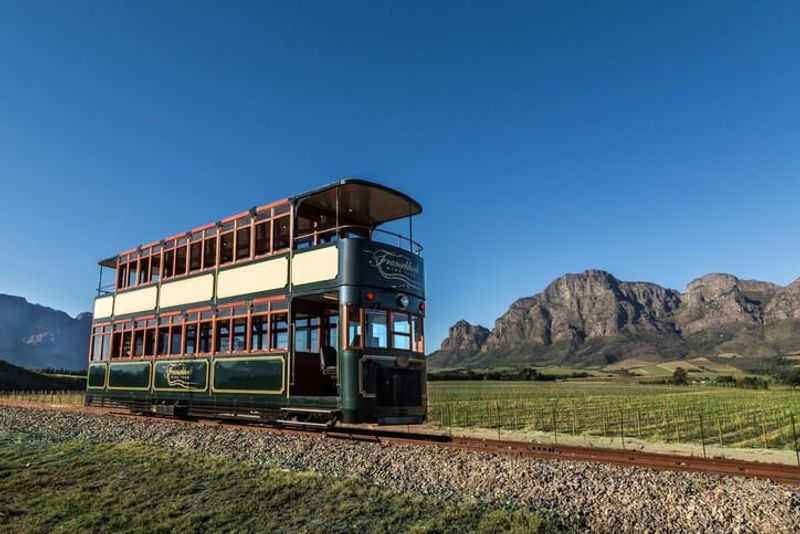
396 267
180 375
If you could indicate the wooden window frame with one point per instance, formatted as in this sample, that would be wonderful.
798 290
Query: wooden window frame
141 258
224 231
196 239
122 271
244 223
210 232
169 248
407 335
99 331
143 269
125 328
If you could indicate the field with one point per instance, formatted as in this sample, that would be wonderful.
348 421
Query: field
13 377
75 487
723 417
614 409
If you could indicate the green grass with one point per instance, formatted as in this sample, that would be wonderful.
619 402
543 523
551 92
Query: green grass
79 487
14 378
47 397
720 416
655 370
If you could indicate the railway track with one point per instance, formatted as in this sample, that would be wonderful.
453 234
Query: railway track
779 473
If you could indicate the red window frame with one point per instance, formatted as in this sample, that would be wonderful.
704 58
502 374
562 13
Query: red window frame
210 236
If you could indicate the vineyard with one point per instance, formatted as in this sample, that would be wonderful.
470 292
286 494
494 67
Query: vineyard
715 416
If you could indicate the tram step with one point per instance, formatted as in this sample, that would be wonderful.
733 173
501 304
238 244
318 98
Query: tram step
310 424
329 411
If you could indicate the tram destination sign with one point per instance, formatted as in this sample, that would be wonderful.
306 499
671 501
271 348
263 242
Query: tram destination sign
379 265
397 268
185 376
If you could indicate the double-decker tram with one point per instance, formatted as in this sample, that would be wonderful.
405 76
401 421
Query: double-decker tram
303 311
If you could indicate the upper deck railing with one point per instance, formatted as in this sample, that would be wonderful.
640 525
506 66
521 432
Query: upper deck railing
329 235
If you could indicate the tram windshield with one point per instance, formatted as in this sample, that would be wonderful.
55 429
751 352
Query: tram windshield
384 329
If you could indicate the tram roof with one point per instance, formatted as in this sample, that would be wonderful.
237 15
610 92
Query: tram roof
361 201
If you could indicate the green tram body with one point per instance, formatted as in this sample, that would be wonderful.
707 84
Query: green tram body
379 374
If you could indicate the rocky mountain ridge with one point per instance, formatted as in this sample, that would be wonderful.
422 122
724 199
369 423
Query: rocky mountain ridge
36 337
592 318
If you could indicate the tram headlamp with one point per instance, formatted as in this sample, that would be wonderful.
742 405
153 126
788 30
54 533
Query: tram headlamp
402 301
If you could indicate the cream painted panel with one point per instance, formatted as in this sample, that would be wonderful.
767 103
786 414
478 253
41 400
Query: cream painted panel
103 307
264 276
135 301
197 289
315 266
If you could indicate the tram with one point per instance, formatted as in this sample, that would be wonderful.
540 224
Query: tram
304 311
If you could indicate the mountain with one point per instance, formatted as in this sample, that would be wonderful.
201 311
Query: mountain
592 319
37 337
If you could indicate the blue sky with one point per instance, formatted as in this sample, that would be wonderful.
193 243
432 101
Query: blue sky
657 140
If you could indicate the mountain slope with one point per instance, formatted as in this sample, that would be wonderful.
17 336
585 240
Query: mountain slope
13 378
36 337
594 319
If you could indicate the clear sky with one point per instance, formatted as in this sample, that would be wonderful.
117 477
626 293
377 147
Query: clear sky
657 140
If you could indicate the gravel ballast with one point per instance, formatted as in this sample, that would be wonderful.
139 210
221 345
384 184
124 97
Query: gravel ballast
589 496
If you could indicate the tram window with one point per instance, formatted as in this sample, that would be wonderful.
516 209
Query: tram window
162 340
169 263
376 329
226 248
205 337
306 334
126 344
191 339
97 345
132 271
242 243
180 260
258 333
239 337
122 275
418 334
301 334
280 329
401 331
354 336
332 331
144 270
262 238
138 342
116 340
106 345
150 342
280 238
195 255
313 337
209 252
223 335
155 268
176 333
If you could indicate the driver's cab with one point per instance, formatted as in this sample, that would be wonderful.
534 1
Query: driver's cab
376 288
